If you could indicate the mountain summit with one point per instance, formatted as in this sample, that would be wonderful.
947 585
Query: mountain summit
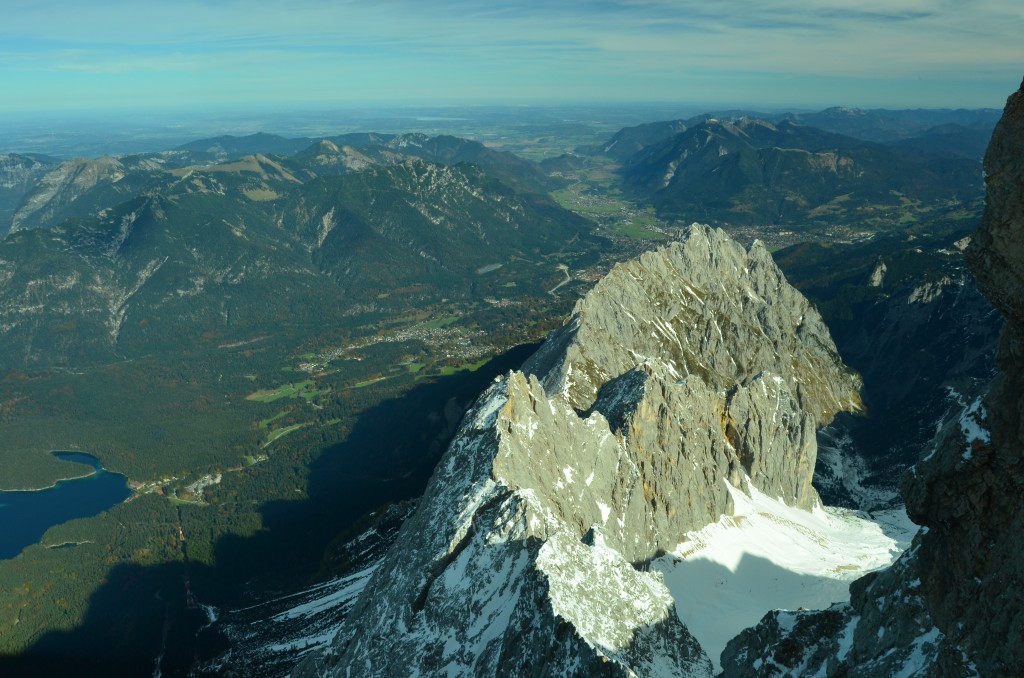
689 373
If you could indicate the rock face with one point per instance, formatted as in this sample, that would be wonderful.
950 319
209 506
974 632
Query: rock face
693 365
878 275
953 605
707 308
968 492
63 185
18 176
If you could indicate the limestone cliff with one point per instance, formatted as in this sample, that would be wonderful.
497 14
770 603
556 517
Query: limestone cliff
968 492
693 366
953 605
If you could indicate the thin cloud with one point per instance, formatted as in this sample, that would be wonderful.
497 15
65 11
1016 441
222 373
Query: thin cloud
617 48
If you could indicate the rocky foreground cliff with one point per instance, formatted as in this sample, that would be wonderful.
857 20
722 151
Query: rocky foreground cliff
690 371
953 605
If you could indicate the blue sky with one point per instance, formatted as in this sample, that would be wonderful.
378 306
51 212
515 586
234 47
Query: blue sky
221 54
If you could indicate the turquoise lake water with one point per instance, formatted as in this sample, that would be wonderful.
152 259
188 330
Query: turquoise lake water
26 516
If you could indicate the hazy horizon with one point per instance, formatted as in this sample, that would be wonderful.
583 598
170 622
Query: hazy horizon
105 56
93 133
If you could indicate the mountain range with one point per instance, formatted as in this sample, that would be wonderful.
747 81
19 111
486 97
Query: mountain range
40 191
751 171
274 339
213 330
963 132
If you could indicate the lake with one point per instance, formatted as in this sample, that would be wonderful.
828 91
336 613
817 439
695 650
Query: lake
26 516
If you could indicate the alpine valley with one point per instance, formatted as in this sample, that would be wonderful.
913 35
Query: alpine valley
551 392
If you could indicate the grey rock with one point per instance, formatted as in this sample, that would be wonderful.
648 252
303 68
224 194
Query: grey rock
19 174
877 277
996 252
968 489
61 186
927 292
491 575
703 306
885 630
694 367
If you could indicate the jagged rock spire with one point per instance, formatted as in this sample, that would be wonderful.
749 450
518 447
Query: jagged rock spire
695 366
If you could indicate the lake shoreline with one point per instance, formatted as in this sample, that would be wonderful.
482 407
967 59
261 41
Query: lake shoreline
52 485
66 456
87 491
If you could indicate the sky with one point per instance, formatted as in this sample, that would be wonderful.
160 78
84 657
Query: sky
72 55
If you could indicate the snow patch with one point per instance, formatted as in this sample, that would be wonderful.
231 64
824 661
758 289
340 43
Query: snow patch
768 555
971 426
922 655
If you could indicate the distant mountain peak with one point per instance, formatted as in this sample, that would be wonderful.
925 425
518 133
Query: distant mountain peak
846 110
328 145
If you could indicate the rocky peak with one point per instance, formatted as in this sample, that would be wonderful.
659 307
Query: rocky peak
704 307
690 369
63 185
19 170
19 174
877 278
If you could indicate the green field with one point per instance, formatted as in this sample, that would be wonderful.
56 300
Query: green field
279 433
438 323
265 423
306 390
449 370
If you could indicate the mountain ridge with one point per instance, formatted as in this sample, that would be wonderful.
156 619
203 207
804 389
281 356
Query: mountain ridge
751 171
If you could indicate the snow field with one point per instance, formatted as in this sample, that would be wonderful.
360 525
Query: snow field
768 555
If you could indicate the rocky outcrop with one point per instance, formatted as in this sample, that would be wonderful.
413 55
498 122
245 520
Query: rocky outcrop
954 603
885 630
694 366
877 277
706 308
63 185
19 174
84 188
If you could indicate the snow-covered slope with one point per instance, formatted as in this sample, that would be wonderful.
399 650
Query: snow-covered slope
278 633
266 638
768 555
